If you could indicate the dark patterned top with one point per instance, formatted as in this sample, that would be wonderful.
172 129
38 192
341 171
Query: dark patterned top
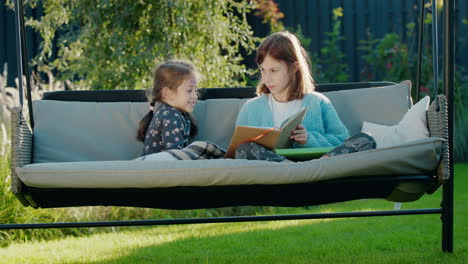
169 129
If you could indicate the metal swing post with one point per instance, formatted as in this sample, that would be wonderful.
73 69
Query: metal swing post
449 86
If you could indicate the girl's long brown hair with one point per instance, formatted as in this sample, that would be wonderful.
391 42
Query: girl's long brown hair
170 74
286 47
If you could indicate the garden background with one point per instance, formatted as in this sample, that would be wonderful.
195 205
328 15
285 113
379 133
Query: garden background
348 41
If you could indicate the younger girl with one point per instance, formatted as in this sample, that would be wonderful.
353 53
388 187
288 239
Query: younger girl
287 85
169 124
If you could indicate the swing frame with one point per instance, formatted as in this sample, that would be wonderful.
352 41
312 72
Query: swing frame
445 210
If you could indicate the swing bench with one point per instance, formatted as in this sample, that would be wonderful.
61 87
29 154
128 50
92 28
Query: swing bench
80 150
89 159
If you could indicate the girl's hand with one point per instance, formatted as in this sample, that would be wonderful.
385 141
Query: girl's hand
299 135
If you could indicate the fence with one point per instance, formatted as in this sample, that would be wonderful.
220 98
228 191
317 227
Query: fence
363 17
360 17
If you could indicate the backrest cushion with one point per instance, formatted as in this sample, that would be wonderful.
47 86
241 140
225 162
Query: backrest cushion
383 105
90 131
86 131
412 127
217 119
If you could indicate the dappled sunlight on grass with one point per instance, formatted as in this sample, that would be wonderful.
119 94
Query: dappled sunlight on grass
105 247
343 240
299 242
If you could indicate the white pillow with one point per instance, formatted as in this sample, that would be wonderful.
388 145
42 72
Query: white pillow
413 126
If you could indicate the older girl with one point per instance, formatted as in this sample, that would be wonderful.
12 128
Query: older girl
286 85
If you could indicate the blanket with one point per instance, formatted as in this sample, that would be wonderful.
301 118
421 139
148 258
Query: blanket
198 150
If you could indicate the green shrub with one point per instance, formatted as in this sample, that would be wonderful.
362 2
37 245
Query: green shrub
391 59
329 66
11 211
116 44
460 144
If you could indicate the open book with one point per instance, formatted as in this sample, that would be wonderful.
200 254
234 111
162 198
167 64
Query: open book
272 138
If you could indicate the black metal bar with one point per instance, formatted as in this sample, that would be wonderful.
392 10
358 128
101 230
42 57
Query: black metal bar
22 59
27 73
19 50
420 45
223 219
449 86
435 49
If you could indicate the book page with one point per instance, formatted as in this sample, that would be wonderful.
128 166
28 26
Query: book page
288 126
268 137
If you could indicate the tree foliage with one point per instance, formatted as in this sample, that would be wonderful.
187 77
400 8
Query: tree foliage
116 44
270 13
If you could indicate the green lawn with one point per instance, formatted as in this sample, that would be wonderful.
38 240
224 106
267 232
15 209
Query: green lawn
394 239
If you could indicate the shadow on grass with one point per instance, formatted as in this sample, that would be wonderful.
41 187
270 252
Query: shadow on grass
400 239
394 239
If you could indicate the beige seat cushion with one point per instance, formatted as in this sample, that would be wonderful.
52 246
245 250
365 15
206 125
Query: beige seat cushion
412 158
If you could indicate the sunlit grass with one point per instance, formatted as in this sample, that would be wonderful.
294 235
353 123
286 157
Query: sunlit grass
393 239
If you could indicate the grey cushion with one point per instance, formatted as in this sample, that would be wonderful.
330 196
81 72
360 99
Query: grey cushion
217 119
410 159
383 105
88 131
93 145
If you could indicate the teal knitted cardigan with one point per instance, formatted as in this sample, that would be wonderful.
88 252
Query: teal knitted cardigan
321 121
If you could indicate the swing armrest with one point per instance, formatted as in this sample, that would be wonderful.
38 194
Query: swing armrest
21 142
437 121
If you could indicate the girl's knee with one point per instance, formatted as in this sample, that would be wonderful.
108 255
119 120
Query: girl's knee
244 151
254 151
